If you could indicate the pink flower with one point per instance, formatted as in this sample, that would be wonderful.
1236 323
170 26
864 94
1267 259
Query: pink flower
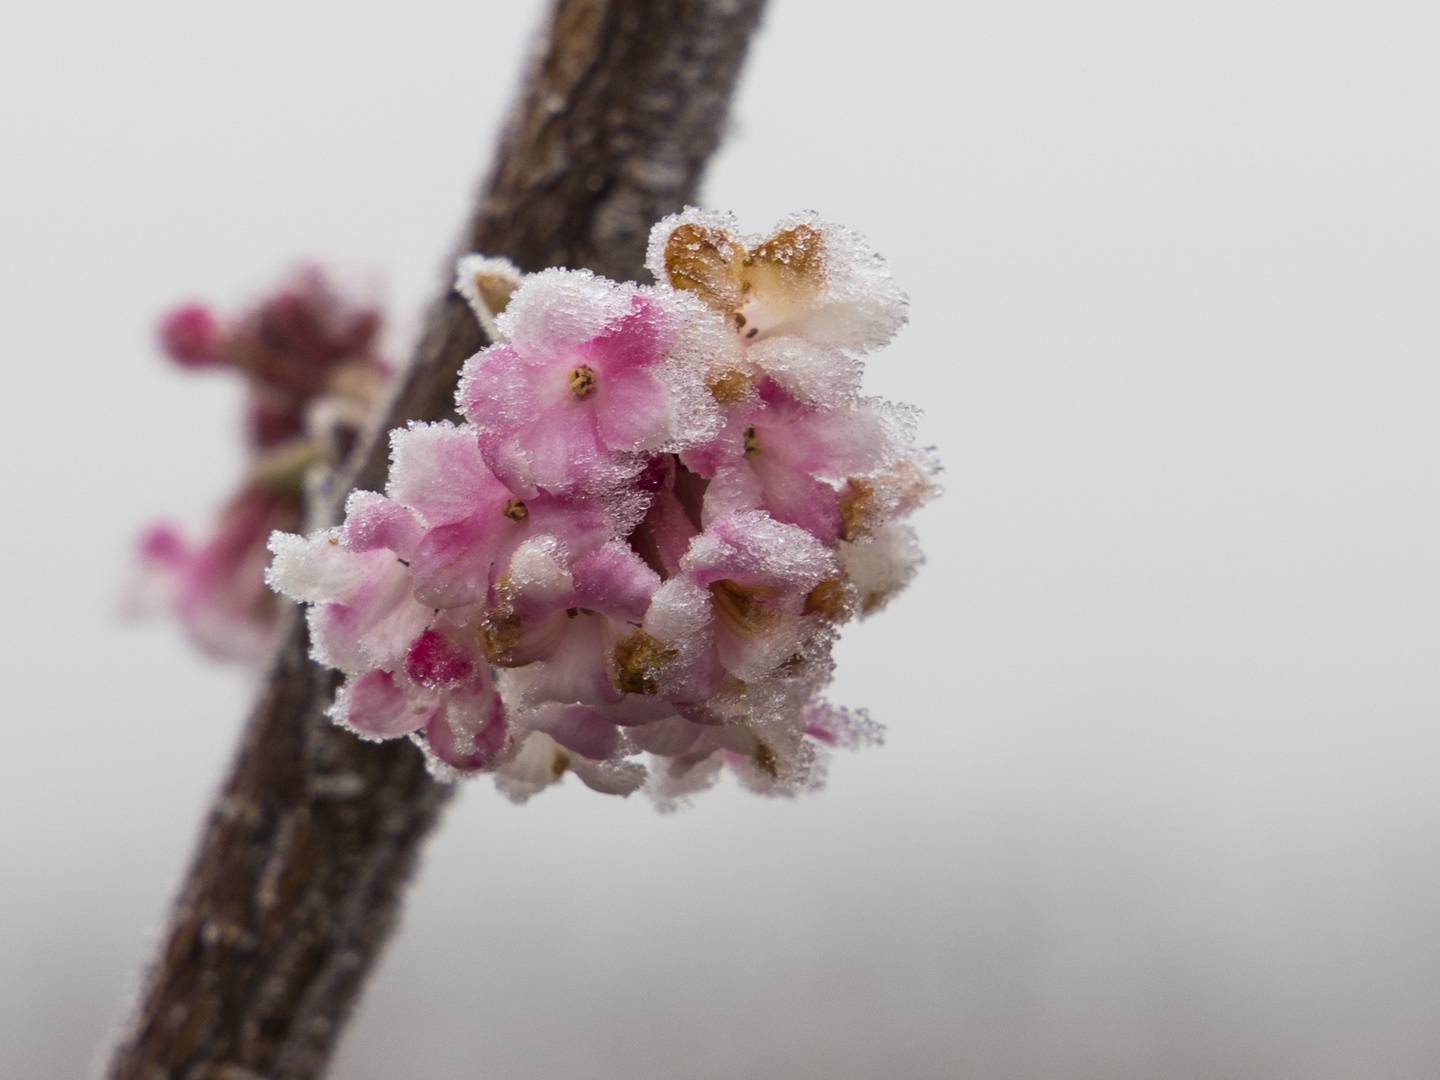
460 726
216 589
307 356
645 536
595 376
413 671
792 460
474 521
190 336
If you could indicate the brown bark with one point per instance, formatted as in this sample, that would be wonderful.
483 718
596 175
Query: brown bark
297 882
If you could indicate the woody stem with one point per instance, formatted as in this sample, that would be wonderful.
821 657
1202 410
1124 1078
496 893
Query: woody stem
298 877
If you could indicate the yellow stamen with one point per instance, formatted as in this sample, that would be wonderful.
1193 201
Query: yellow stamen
582 381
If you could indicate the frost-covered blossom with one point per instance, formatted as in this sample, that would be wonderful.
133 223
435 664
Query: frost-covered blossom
312 374
632 558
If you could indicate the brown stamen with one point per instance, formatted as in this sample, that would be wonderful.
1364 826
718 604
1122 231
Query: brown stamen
766 760
858 508
516 510
730 387
559 763
500 632
828 599
638 660
752 443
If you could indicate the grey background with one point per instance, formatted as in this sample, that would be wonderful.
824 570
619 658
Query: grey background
1159 797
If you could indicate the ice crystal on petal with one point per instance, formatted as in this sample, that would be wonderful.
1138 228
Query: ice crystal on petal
662 504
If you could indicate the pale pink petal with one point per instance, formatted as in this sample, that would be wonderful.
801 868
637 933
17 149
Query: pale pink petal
555 308
372 521
578 672
454 564
615 581
373 705
734 487
318 568
468 731
793 497
578 728
633 410
756 549
638 340
501 388
438 471
664 536
668 738
826 443
610 777
581 525
375 627
560 452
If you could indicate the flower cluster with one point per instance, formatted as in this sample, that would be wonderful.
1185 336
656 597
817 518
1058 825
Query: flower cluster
312 373
661 505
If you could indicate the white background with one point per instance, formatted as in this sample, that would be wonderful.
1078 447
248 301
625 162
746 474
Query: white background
1159 798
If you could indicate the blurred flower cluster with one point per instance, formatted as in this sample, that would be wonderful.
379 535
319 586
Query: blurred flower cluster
663 502
308 357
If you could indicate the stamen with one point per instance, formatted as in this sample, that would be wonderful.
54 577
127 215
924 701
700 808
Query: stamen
752 443
582 381
766 760
516 510
638 660
500 632
730 387
828 599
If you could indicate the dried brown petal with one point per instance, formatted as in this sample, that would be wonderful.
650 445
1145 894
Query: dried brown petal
742 609
705 261
789 267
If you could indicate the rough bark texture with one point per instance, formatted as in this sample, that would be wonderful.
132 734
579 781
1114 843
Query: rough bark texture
297 881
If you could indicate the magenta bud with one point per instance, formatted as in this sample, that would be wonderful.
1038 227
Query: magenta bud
190 336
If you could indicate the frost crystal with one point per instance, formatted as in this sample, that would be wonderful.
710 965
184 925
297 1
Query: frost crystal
662 504
308 358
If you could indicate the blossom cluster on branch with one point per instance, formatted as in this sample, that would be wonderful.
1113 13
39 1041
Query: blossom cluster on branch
312 373
663 502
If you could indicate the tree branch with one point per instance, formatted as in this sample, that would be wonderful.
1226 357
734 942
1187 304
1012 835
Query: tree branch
297 882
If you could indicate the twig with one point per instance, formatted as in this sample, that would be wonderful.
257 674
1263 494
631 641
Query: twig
297 882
